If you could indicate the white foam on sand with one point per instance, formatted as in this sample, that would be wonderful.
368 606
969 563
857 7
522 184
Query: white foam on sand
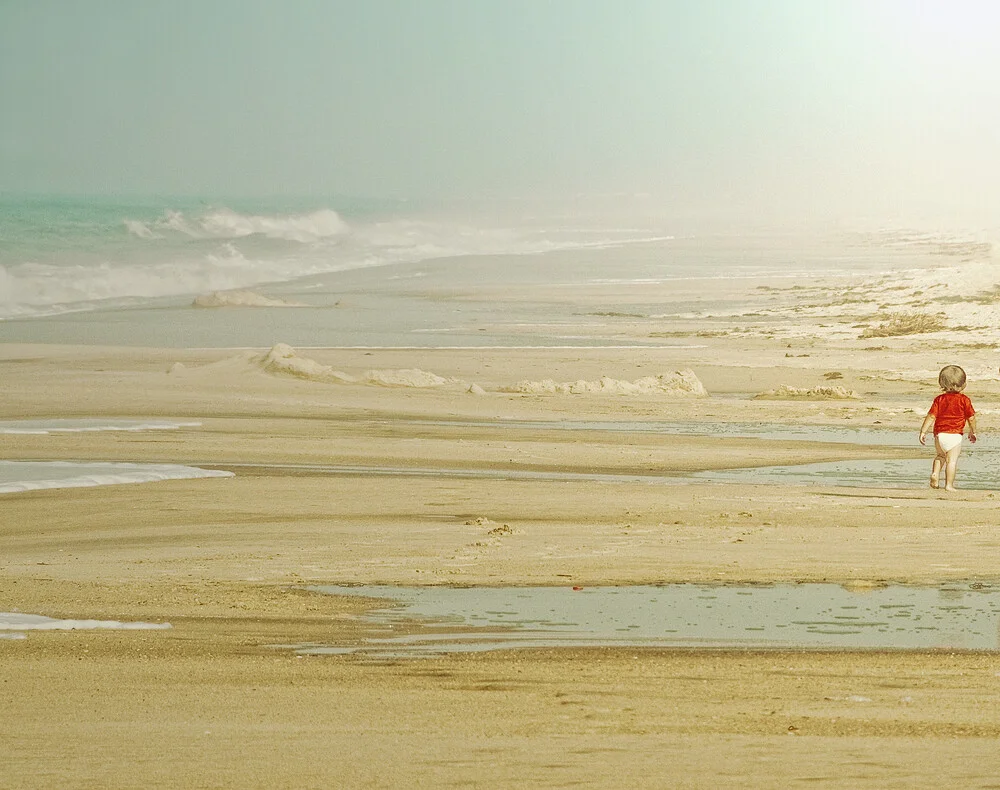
16 621
283 360
88 425
407 378
679 384
17 476
784 392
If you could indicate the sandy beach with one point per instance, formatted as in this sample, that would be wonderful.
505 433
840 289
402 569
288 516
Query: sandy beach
498 465
499 395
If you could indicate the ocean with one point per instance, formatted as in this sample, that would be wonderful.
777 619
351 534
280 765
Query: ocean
128 272
72 254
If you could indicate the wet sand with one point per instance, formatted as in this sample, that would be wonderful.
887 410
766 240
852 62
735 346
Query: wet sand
213 702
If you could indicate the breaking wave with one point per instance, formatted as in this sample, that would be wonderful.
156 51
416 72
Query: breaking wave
228 224
109 259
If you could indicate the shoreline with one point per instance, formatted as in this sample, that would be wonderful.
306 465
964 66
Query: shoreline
221 560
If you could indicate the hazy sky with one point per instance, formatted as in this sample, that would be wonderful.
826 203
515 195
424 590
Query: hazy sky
798 106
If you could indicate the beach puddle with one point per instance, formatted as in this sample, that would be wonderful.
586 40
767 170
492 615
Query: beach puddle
17 476
979 471
976 473
422 621
977 468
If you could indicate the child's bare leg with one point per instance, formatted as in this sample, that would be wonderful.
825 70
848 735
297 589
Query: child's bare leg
951 466
936 466
939 465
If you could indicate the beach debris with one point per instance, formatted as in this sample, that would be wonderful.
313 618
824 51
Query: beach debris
240 299
833 375
785 392
898 324
503 529
678 384
864 585
475 389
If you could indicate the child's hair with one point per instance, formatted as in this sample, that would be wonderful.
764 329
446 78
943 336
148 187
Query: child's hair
952 378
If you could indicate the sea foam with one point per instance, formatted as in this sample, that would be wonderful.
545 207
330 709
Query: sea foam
320 224
224 223
89 425
18 476
283 360
16 621
786 392
678 384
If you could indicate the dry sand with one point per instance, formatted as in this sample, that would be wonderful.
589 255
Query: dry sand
213 703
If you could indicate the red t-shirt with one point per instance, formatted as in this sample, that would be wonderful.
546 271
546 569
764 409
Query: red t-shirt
951 410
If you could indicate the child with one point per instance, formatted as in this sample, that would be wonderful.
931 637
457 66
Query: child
948 414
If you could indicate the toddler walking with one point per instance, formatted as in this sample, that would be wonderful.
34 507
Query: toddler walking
949 413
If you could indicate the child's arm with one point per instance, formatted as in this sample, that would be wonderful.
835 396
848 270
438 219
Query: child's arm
972 429
925 426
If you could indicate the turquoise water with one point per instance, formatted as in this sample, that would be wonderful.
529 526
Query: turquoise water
64 255
60 255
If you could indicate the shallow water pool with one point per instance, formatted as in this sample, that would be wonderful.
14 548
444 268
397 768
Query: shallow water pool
434 620
975 472
979 466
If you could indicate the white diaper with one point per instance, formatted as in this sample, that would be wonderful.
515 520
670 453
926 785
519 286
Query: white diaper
948 441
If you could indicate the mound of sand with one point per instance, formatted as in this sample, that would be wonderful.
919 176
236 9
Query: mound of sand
679 384
784 392
282 360
240 299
